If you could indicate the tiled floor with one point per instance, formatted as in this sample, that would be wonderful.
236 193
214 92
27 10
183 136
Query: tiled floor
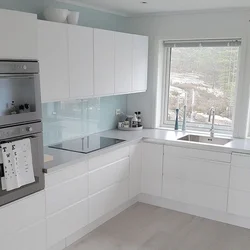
146 227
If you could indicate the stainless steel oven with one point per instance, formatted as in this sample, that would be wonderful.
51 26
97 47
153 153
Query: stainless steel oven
20 118
33 131
20 96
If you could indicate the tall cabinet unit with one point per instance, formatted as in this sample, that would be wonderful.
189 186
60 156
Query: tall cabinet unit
140 63
53 58
123 62
104 62
81 61
18 35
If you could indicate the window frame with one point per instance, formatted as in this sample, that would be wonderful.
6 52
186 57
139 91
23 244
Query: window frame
193 126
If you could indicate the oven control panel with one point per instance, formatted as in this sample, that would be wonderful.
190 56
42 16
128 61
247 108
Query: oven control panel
21 130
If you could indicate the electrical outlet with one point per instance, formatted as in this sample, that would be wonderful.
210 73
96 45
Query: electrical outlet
117 112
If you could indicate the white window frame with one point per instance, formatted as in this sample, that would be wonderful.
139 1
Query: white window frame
166 87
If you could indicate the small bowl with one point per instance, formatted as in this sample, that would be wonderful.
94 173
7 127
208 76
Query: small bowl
73 17
56 15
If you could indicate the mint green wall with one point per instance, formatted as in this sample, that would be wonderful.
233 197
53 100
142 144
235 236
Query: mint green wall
89 17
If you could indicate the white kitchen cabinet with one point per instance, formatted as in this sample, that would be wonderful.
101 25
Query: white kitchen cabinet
123 62
66 194
18 35
22 213
152 164
190 179
54 61
135 170
108 175
140 63
81 61
195 193
66 222
104 62
108 199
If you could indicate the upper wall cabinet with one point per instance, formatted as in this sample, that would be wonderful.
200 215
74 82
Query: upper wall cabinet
104 62
123 62
19 35
53 57
81 63
140 63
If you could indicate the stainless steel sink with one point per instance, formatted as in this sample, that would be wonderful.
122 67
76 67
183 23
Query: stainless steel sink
205 139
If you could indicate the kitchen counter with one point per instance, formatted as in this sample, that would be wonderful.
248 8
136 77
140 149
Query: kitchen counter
63 158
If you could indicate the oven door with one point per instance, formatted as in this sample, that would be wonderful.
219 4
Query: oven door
20 98
38 160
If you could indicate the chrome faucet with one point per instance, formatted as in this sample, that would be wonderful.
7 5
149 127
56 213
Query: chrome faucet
211 113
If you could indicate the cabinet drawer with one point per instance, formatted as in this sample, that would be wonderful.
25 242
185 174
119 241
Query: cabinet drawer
22 213
66 174
66 194
66 222
108 158
240 160
108 175
239 203
212 173
239 178
194 193
197 153
30 238
108 199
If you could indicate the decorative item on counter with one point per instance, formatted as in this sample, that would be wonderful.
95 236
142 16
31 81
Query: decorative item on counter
139 119
126 124
135 121
120 124
13 109
21 109
176 126
129 119
26 108
56 15
73 17
184 118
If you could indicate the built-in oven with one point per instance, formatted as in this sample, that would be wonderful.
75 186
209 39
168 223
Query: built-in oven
20 96
33 132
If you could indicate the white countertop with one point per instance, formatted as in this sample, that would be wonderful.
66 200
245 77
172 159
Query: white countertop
162 136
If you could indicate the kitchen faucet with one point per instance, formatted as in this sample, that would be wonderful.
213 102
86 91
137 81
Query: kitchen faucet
211 113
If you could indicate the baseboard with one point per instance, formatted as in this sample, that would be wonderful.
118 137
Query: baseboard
196 210
92 226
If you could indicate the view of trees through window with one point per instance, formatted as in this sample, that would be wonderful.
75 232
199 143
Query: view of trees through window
201 78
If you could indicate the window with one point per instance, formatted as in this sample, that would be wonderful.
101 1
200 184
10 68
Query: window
201 75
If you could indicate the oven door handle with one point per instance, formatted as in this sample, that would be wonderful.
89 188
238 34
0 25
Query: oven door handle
16 76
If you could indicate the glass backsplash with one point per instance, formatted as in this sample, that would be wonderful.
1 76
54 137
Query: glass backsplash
71 119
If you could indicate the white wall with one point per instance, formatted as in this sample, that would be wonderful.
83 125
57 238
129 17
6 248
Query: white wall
226 24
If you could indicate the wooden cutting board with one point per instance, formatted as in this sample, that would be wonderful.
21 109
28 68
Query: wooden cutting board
48 158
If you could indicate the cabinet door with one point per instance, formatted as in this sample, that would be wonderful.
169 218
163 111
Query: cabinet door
81 57
18 35
135 170
140 63
53 57
123 62
104 62
66 222
152 160
107 200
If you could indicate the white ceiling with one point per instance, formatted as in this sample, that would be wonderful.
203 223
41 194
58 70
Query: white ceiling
132 7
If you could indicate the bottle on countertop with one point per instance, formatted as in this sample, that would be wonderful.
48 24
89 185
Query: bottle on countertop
13 109
135 121
139 119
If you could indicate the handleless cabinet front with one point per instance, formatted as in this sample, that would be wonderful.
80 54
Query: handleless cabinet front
53 57
104 62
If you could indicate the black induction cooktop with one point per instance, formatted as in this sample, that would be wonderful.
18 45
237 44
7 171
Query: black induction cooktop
87 144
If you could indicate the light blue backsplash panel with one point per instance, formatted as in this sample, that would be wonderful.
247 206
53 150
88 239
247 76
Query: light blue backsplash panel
72 119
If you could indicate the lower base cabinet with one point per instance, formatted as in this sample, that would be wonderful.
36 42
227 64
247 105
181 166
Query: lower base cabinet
66 222
108 199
